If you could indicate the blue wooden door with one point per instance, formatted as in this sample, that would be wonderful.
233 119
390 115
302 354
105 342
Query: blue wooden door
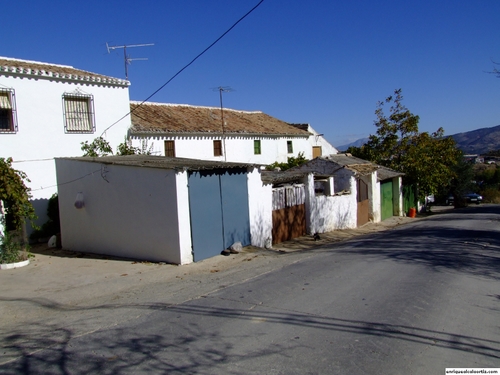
206 215
236 223
218 205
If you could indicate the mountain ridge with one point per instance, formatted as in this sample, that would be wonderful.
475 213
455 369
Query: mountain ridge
478 141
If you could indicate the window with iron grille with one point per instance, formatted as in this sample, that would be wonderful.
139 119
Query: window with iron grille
256 147
8 119
289 147
170 149
217 148
78 113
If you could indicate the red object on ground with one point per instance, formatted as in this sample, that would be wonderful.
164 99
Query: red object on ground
412 212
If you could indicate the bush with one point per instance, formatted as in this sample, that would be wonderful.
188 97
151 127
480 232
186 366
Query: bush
491 195
11 250
291 162
52 226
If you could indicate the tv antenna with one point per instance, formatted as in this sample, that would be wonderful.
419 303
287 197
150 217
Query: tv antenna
127 59
222 89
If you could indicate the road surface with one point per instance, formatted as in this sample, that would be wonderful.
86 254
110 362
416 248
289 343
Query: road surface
414 300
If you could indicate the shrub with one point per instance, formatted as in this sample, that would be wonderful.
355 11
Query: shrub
491 195
11 250
51 226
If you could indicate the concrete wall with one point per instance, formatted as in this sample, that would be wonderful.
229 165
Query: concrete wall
260 210
41 136
328 213
238 149
133 212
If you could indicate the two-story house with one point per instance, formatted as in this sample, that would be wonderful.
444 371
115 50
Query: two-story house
48 110
212 133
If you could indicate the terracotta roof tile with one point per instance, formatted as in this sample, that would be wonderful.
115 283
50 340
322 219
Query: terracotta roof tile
177 118
16 67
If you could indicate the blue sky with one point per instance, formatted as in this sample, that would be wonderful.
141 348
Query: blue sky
321 62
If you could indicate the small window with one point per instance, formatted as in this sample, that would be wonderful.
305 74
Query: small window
170 149
8 120
217 148
289 147
78 113
317 152
256 147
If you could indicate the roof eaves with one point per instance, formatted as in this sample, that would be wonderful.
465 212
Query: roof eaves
39 70
156 132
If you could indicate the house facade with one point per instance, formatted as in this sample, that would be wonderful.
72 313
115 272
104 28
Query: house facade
47 110
209 133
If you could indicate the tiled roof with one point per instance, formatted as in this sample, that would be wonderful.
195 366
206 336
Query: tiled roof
163 162
275 177
333 163
385 173
178 119
25 68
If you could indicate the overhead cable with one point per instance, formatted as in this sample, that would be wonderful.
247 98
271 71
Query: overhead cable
185 67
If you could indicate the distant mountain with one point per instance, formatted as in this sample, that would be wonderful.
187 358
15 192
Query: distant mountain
358 143
477 141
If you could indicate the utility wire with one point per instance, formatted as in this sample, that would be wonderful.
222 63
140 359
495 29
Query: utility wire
67 182
154 93
186 66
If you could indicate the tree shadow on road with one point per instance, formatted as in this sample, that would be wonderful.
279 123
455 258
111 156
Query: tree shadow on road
179 346
442 242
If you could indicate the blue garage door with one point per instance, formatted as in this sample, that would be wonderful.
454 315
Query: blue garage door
218 203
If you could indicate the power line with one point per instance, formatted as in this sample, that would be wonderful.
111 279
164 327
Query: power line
67 182
186 66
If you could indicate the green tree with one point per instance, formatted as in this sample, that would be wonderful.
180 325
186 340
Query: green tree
461 182
15 194
126 148
98 147
292 161
427 160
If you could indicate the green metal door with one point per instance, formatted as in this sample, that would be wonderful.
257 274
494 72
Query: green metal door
387 209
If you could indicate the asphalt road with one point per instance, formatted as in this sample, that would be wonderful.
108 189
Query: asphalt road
414 300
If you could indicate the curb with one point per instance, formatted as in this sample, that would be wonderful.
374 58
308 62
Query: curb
9 266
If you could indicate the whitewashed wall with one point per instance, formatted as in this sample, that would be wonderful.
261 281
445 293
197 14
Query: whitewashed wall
318 140
397 196
329 213
260 204
133 212
376 201
41 136
238 149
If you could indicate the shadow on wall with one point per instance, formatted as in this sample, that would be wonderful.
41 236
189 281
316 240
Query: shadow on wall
338 216
261 231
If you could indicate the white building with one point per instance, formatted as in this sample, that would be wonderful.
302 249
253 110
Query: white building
209 133
47 110
165 209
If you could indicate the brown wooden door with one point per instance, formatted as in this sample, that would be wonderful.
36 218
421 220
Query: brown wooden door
363 214
289 213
